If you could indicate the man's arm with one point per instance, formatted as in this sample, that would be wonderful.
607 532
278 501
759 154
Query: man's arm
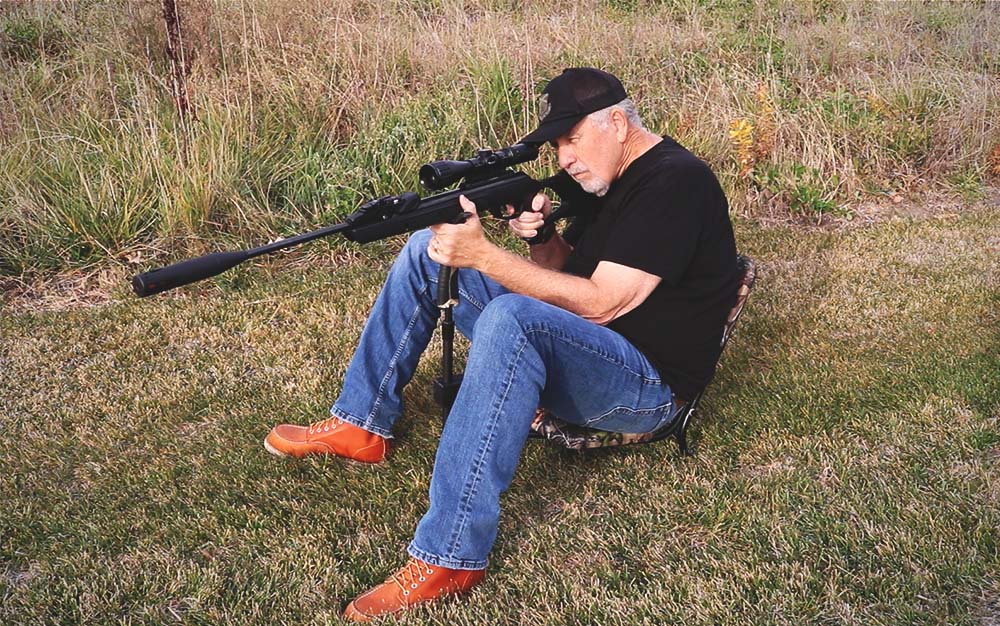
610 292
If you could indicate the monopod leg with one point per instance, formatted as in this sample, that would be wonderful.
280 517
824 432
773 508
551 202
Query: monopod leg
447 385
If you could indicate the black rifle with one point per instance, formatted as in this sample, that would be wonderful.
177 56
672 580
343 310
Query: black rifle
487 181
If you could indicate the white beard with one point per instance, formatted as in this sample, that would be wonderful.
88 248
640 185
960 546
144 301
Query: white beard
595 186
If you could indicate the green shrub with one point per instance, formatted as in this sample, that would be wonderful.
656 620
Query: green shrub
804 190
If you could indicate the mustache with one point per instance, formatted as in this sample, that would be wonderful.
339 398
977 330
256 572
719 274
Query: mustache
573 171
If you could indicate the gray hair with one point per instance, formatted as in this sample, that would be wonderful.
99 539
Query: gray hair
603 117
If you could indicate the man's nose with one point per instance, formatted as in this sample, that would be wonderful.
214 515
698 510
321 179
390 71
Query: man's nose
566 157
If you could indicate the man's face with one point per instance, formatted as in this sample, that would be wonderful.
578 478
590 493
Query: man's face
590 154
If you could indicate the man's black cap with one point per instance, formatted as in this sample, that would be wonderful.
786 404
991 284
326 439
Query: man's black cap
570 97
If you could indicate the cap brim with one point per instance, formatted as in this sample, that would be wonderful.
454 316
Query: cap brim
550 130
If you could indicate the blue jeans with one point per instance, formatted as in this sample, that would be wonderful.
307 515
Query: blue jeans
524 354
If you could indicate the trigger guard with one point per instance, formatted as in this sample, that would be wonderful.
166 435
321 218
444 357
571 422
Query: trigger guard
500 213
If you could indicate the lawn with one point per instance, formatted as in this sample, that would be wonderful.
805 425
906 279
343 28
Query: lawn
846 469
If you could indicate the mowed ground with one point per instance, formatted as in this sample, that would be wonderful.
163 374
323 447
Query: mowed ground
846 468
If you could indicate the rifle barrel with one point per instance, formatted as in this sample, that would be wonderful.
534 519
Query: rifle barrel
378 219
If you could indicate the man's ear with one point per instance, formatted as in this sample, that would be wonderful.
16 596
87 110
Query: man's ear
620 122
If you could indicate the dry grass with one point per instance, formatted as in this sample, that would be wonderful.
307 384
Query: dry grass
306 109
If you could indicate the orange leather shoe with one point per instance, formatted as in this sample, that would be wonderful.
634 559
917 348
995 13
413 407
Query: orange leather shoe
331 436
417 582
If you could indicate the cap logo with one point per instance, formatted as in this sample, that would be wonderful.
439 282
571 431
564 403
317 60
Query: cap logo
544 108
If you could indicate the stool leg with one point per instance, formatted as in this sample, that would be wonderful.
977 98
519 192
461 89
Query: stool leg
681 434
681 438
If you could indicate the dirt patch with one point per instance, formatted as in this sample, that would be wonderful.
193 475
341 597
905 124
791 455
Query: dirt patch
20 577
69 290
926 206
989 612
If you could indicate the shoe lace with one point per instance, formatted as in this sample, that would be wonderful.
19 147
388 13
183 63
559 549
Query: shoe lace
412 573
325 425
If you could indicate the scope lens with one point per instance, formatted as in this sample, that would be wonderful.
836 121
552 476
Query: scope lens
429 176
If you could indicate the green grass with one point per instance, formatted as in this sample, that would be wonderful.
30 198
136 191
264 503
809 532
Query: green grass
846 470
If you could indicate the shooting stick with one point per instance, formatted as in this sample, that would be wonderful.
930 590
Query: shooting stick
447 385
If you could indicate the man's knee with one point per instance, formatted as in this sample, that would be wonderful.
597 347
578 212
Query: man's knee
418 240
414 254
510 323
510 311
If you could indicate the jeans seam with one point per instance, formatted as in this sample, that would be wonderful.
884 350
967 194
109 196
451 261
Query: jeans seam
440 561
476 303
392 362
469 491
360 422
463 294
630 411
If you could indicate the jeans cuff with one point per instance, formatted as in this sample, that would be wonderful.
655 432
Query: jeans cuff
359 422
433 559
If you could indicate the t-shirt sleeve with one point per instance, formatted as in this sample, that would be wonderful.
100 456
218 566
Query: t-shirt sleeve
658 229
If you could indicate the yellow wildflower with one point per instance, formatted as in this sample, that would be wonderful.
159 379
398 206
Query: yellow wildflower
741 135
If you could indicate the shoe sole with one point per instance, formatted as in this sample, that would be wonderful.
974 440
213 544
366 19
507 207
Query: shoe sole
277 452
273 450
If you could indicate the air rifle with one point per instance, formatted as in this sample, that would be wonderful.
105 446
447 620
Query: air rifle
486 179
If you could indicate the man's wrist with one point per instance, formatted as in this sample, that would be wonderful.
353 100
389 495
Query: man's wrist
486 261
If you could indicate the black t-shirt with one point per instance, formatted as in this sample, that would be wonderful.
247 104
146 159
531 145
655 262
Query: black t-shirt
667 215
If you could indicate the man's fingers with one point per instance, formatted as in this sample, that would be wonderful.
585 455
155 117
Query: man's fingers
541 204
528 223
522 231
532 220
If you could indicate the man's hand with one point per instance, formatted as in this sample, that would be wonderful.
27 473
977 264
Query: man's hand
460 245
527 224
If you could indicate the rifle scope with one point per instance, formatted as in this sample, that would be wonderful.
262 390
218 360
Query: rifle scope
440 174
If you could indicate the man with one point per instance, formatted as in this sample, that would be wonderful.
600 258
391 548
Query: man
613 331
